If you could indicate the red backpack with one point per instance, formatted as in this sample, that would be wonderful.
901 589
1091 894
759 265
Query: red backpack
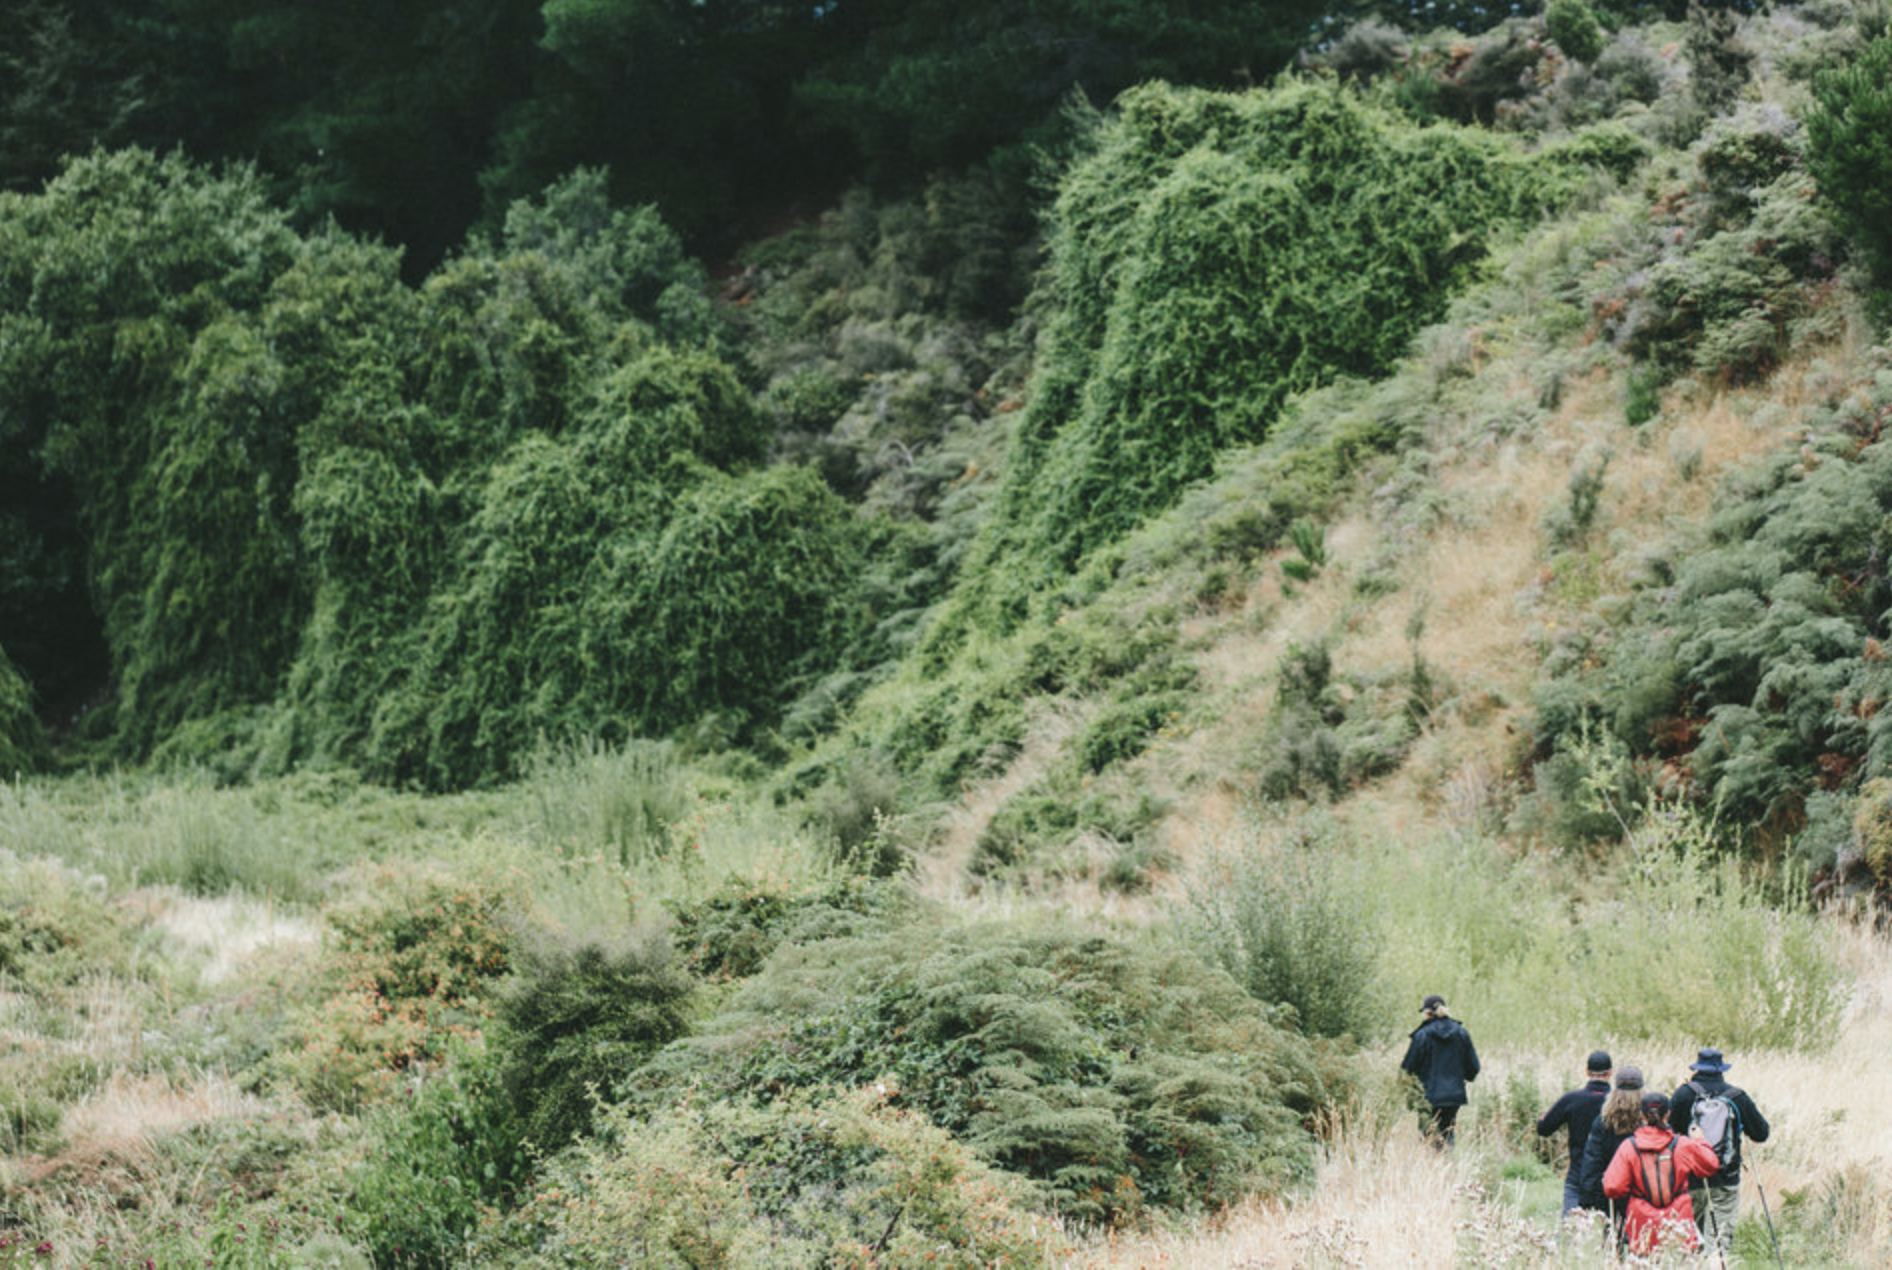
1658 1209
1655 1176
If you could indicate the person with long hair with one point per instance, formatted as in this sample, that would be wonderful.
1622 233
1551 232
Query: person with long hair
1613 1126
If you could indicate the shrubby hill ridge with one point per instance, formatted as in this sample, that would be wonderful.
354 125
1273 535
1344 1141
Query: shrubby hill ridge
958 731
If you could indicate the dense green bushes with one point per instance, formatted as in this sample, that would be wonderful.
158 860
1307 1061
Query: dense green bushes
1290 933
1754 659
22 746
1119 1074
576 1021
131 390
1214 255
323 516
822 1179
1850 150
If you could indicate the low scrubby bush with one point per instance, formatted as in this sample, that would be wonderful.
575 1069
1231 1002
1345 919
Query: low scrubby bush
1121 1075
433 1162
404 974
825 1177
1329 732
730 932
574 1021
54 929
1752 661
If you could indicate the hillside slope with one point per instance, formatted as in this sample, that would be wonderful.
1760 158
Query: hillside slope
1267 630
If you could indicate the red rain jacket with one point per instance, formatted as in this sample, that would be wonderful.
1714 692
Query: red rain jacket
1653 1168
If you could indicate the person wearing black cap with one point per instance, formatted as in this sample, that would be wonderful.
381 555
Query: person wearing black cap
1718 1197
1443 1058
1576 1111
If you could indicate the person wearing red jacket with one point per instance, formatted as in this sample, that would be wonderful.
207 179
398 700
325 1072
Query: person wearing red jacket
1653 1170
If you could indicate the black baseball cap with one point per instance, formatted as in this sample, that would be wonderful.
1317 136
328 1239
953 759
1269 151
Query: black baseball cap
1599 1061
1432 1002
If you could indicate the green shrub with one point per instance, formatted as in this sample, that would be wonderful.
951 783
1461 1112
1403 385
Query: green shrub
407 972
1752 659
1642 398
1191 205
433 1162
22 743
1290 934
146 403
1489 79
1570 521
856 809
295 510
817 1179
1571 24
575 1020
1028 830
1733 265
1121 1075
54 930
1719 59
1366 50
1849 144
1329 732
730 932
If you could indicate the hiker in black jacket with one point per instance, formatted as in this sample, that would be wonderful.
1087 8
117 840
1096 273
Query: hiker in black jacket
1575 1111
1441 1055
1718 1199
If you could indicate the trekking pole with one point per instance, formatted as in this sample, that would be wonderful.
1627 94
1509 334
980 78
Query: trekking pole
1770 1223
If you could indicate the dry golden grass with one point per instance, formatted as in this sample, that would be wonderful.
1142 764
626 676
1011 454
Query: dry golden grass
226 932
1379 1199
128 1114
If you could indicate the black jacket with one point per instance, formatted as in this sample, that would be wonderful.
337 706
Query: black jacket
1442 1057
1598 1150
1749 1122
1576 1109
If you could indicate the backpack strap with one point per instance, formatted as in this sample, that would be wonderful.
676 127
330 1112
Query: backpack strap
1656 1185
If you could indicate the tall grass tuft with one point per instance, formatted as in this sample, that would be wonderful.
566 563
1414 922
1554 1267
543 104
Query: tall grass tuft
624 801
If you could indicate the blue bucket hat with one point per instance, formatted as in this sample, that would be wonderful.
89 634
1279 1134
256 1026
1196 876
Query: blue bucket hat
1709 1060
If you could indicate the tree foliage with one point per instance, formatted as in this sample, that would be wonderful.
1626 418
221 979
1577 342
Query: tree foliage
1850 150
431 523
1214 255
22 747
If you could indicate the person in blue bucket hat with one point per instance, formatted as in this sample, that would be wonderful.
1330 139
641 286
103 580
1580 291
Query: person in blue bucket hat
1708 1107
